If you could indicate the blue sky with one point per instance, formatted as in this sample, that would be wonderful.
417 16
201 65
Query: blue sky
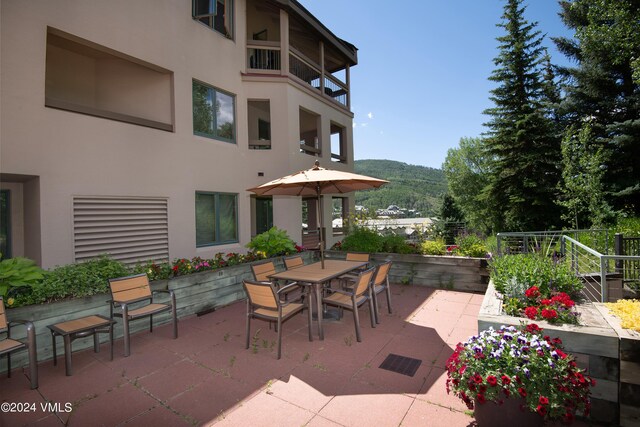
421 80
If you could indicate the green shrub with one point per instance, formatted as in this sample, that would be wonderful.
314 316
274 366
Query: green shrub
512 274
471 245
273 242
433 247
396 244
629 227
18 275
76 280
361 239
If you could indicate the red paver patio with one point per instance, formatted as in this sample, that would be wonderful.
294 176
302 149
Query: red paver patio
207 377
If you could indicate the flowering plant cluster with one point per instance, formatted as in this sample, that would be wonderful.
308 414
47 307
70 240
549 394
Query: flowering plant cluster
184 266
628 310
520 362
555 308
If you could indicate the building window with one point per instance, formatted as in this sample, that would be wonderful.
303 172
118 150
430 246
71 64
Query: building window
216 218
213 113
259 113
338 144
215 14
5 224
309 133
264 214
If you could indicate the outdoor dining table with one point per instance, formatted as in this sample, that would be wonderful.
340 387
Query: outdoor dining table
314 275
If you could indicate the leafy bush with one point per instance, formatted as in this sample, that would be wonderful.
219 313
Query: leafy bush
19 275
433 247
361 239
523 271
630 227
75 280
471 245
396 245
273 242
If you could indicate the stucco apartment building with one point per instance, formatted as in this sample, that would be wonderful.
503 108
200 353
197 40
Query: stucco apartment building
135 127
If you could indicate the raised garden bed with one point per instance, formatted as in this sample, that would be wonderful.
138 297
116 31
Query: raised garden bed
594 343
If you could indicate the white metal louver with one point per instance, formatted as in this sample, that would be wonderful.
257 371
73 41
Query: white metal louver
129 229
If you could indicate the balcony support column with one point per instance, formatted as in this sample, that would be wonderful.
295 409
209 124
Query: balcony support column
284 43
321 47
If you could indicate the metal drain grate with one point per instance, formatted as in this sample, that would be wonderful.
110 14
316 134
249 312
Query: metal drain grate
401 364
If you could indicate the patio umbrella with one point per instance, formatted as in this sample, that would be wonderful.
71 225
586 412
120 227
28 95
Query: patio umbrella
315 182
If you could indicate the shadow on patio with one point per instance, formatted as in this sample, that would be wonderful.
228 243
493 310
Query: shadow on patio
206 376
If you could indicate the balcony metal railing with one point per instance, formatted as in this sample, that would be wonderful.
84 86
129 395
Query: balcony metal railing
335 89
263 56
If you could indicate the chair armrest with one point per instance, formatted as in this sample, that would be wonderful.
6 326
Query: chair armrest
340 291
287 287
27 323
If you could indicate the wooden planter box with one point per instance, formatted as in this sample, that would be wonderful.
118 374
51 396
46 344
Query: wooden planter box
594 343
629 390
444 272
197 293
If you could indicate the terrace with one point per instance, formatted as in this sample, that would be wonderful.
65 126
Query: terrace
207 377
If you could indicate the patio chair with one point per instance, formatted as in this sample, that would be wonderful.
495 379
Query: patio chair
261 272
381 284
346 280
293 262
135 291
351 299
9 345
263 302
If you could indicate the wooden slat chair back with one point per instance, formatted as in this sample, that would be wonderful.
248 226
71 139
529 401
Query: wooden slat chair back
357 256
381 284
10 345
293 262
262 271
263 302
128 294
354 297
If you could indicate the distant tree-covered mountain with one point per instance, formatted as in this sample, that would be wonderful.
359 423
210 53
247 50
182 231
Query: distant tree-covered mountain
410 186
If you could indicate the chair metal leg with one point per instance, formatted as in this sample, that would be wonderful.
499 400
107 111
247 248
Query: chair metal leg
174 315
356 320
376 308
151 323
53 346
248 323
310 320
388 296
111 326
125 327
279 337
372 312
96 342
67 355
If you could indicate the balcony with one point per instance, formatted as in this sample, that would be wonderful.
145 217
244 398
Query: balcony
308 54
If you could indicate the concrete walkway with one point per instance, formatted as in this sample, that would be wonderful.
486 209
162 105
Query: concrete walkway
207 377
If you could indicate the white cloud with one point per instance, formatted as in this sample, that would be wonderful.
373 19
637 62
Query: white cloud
364 125
370 115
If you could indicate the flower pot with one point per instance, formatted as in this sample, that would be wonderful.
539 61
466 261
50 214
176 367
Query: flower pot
506 415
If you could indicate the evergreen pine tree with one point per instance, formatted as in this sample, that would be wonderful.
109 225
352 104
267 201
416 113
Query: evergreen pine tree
604 90
521 142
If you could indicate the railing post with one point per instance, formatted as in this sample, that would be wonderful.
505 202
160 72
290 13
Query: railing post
321 47
618 249
525 244
603 280
563 246
347 74
284 43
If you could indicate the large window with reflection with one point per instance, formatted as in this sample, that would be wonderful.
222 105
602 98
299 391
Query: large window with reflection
214 113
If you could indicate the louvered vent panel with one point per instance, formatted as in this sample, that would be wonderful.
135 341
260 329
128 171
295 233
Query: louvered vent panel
131 230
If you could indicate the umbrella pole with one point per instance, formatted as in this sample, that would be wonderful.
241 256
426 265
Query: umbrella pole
321 240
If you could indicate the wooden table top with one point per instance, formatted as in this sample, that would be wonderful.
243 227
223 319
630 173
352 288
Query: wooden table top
81 324
314 273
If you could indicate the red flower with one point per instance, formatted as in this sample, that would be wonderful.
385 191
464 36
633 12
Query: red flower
533 328
492 381
477 379
545 301
531 312
543 400
532 292
480 398
549 313
505 380
522 392
541 410
507 392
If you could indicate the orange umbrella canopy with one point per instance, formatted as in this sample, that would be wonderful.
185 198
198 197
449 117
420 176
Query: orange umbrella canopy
316 181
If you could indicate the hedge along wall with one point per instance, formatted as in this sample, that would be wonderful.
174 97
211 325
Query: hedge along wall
444 272
195 293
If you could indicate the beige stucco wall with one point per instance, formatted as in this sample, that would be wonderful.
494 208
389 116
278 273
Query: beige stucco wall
75 154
